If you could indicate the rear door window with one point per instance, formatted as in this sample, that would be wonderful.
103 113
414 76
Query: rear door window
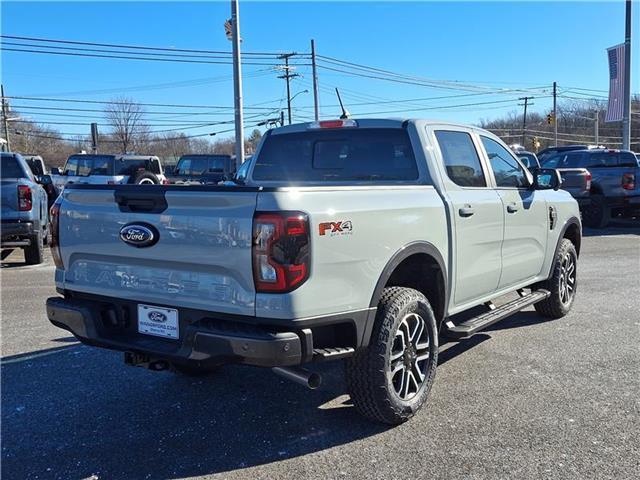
102 166
349 154
461 158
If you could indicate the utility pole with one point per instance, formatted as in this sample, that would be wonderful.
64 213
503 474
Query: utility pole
282 118
597 128
5 119
524 117
555 115
316 106
288 76
237 82
94 138
626 112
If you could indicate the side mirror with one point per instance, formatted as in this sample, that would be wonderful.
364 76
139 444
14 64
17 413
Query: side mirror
43 179
55 171
546 179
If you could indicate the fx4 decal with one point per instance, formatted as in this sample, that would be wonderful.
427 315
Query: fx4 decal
332 229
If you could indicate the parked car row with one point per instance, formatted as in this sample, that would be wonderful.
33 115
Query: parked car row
602 180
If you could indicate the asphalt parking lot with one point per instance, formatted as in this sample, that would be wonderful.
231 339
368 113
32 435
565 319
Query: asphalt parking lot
526 399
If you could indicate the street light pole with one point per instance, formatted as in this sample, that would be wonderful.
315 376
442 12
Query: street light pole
237 82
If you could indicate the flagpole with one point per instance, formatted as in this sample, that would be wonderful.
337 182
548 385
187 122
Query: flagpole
626 115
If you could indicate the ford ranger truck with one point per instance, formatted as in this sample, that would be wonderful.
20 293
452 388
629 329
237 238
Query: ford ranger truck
363 240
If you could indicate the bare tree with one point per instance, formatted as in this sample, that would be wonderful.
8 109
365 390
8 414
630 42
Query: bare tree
126 118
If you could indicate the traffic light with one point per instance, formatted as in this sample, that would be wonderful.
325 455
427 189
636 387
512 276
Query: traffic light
550 118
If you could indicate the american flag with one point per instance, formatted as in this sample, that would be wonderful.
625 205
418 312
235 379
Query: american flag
616 83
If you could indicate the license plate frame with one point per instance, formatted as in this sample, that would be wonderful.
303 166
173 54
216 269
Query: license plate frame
158 321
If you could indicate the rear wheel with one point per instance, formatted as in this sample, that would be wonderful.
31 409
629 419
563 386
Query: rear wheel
562 284
33 254
597 213
389 380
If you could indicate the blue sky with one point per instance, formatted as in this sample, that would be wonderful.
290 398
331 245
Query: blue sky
503 45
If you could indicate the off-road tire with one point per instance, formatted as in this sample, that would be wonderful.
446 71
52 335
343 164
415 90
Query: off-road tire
33 254
368 380
144 177
553 306
597 214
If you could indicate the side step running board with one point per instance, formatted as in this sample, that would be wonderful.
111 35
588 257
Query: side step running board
323 354
475 324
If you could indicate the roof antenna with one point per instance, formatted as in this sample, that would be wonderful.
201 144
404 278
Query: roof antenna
345 112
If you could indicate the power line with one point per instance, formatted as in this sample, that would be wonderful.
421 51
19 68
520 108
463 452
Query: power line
131 57
116 102
140 47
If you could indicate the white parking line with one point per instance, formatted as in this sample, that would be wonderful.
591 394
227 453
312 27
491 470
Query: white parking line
36 355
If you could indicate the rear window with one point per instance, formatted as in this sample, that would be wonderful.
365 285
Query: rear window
11 168
129 166
381 154
565 160
35 165
200 165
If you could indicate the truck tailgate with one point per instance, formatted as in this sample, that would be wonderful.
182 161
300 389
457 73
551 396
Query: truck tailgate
201 258
575 180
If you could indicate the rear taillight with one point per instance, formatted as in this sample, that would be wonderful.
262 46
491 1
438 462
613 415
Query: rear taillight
629 181
280 251
54 228
24 198
588 178
165 182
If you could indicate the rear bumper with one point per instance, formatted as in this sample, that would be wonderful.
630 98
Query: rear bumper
16 233
207 341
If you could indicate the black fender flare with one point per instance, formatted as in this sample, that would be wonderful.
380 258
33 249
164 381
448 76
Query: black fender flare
570 222
397 258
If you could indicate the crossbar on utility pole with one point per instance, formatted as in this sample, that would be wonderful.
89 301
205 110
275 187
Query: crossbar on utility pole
5 118
524 117
237 83
316 106
626 112
288 76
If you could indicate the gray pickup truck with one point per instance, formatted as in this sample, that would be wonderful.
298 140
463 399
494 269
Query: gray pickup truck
363 240
614 186
25 218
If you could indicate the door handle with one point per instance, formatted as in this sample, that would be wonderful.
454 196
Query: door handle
466 211
512 208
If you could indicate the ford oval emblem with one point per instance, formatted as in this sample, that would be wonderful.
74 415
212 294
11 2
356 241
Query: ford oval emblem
139 235
156 316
